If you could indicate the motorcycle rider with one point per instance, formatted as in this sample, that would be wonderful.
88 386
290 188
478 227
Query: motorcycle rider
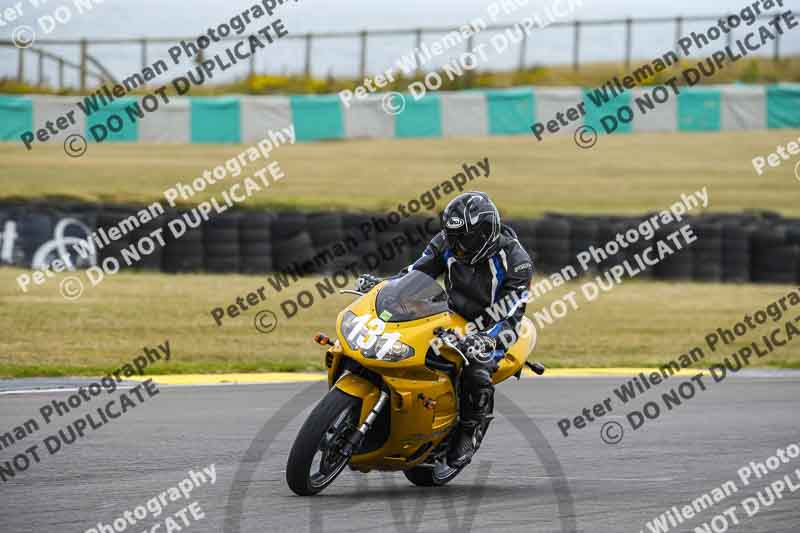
483 264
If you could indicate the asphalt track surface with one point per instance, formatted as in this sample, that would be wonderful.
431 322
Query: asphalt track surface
577 483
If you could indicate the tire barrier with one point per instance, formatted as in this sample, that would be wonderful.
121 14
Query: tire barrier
108 219
292 247
255 243
186 254
356 226
582 234
33 229
607 230
552 236
634 249
773 258
151 253
760 247
736 252
678 266
327 230
221 243
707 252
526 233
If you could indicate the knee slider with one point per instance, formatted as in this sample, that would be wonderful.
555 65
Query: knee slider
481 377
482 399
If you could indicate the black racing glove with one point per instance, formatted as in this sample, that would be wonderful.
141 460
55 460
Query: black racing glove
478 348
366 282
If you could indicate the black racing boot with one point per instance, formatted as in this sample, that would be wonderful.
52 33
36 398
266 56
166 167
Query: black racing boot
477 394
463 446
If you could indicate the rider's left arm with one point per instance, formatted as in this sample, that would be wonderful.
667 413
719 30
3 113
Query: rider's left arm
513 293
432 261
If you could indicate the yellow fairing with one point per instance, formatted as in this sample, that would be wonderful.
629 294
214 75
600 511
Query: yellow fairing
423 407
359 387
515 358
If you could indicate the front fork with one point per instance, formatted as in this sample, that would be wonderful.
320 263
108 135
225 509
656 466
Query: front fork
355 440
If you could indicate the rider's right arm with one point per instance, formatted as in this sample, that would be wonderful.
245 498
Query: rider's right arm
432 262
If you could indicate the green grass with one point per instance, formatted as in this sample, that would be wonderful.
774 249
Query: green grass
640 323
622 174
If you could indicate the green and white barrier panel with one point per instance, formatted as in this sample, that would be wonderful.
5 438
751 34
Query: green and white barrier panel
247 119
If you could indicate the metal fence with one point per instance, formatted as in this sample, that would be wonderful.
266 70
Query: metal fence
90 66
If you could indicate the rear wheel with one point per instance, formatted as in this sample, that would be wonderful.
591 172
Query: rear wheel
432 476
316 458
440 473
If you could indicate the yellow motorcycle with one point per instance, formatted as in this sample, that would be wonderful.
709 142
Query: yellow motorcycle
393 378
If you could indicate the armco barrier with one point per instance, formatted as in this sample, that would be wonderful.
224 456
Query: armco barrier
747 247
246 119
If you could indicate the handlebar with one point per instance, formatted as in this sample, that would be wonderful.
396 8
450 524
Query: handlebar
450 339
351 291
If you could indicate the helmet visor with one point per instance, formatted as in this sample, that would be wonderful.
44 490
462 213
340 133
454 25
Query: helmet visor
466 244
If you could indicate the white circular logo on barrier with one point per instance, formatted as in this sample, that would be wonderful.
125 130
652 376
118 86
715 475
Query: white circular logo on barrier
57 248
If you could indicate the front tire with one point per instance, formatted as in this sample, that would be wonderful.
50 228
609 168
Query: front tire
321 437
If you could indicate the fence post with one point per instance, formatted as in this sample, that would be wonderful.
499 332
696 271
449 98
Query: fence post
252 65
470 47
144 54
522 49
308 55
61 73
21 66
417 52
84 60
628 43
678 33
730 36
777 54
41 70
576 45
362 69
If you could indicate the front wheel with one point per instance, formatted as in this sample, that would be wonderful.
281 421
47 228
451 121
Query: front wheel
316 459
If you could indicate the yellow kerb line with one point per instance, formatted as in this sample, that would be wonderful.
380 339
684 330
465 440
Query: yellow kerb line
298 377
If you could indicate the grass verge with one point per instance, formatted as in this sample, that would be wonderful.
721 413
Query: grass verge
639 324
622 174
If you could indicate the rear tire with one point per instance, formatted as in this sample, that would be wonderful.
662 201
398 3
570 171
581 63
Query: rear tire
432 476
335 409
441 474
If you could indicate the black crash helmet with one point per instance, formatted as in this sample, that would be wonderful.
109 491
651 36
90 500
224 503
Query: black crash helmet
472 227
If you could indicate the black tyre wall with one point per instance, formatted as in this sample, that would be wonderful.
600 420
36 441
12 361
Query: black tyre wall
679 265
292 248
774 259
112 219
255 243
756 246
707 252
736 252
552 244
221 243
186 253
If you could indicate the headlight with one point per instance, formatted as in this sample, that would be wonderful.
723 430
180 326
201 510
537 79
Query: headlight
389 348
348 324
371 342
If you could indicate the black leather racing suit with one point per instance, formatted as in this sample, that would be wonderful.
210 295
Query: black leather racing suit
489 294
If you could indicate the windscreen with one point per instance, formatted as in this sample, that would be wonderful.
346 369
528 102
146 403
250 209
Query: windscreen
415 295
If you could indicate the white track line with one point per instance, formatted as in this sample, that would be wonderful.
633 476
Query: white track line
48 391
160 385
